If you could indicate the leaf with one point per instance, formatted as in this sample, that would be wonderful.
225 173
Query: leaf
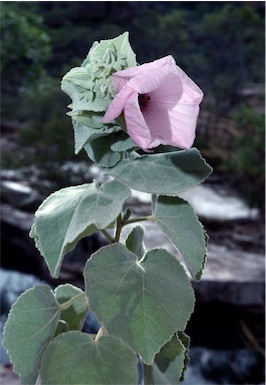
74 358
88 128
119 44
78 85
74 316
123 142
186 343
141 302
169 363
73 213
167 174
30 327
99 151
90 86
179 222
134 241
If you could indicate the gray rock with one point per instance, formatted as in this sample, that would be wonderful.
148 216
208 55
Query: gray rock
20 195
219 206
211 367
232 276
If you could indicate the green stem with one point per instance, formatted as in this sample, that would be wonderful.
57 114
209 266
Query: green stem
120 224
108 235
148 375
66 305
140 219
119 227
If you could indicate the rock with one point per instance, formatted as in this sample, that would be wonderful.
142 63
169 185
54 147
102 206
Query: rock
217 205
232 276
20 195
211 367
18 249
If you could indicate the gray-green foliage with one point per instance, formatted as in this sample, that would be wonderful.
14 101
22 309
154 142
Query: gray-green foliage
73 213
125 298
142 298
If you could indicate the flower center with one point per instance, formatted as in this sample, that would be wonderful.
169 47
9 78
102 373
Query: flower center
143 100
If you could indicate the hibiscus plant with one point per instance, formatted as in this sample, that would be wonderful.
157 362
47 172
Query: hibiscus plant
137 123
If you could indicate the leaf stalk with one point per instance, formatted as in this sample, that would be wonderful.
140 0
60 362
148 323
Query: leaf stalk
67 304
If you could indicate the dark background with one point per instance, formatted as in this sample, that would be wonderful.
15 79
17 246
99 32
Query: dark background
220 45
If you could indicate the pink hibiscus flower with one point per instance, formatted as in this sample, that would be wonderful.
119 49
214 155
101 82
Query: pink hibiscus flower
160 104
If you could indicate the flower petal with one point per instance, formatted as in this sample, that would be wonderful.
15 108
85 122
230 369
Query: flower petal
170 115
120 78
136 125
117 105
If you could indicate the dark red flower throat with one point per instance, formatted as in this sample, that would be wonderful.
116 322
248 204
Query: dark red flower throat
143 100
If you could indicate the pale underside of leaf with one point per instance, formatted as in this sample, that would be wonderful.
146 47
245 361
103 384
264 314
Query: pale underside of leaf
168 174
73 213
29 329
179 222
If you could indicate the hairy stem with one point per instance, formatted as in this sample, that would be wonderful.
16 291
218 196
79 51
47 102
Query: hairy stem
140 219
108 236
148 375
119 227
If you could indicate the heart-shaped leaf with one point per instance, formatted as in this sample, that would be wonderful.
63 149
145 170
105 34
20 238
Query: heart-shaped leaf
73 213
74 358
179 222
124 296
30 327
168 174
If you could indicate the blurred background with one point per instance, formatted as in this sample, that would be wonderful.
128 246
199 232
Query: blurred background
221 46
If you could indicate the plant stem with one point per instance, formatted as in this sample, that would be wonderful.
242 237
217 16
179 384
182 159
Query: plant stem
148 375
118 230
120 224
67 304
140 219
108 235
101 332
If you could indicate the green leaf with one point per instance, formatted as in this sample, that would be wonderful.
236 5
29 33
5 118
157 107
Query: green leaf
134 241
30 327
73 213
124 295
123 142
74 316
121 47
167 174
88 127
179 222
90 86
99 151
170 362
186 343
84 97
127 214
74 358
